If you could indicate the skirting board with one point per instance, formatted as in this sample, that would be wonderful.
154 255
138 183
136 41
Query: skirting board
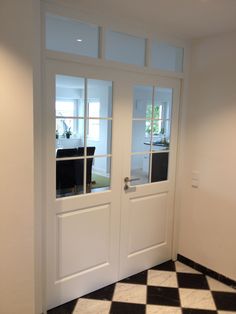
207 271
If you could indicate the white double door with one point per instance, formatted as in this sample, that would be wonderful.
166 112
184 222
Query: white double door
97 236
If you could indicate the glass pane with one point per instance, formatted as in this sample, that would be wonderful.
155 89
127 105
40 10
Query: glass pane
156 128
99 134
99 94
142 104
163 102
125 48
101 174
69 35
140 169
141 135
161 139
69 133
156 146
69 96
69 174
167 57
159 167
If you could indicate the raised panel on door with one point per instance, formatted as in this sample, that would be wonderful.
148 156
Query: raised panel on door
83 240
147 213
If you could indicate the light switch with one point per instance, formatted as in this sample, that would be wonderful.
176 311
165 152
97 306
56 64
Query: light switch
195 179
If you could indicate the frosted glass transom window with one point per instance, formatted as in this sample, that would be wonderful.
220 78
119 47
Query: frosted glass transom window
71 36
125 48
167 57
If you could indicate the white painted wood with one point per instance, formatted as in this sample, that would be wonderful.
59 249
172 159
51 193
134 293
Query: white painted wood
96 239
82 231
147 213
57 55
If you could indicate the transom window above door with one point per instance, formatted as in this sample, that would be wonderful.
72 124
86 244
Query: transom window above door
71 36
83 132
151 130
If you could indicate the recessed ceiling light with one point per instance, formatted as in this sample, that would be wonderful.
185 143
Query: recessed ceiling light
79 40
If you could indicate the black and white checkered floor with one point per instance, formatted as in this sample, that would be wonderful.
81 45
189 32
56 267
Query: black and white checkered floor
171 287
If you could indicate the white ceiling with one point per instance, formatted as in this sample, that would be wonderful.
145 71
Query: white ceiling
185 19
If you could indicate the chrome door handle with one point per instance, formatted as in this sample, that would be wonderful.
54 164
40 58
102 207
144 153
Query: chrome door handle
127 188
127 179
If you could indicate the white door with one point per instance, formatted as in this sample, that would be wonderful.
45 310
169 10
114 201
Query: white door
97 232
151 123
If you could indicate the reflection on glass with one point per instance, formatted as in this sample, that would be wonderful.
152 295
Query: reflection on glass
69 96
167 57
99 98
142 105
99 134
141 131
69 133
140 168
101 174
69 174
71 36
162 103
159 167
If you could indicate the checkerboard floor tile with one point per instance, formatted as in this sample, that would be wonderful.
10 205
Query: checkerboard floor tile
169 288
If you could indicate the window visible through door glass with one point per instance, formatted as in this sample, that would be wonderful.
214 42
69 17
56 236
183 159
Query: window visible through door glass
151 133
82 132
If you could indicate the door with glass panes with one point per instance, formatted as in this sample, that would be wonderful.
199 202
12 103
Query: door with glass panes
110 149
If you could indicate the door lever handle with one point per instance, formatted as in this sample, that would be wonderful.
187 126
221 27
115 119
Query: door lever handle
128 188
127 179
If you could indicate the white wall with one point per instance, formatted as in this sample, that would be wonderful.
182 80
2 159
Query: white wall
207 231
16 166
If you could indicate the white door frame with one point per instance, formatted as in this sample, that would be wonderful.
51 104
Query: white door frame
40 167
161 81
